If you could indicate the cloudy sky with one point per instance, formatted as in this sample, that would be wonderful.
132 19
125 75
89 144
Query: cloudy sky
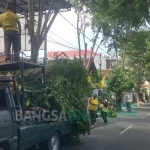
60 28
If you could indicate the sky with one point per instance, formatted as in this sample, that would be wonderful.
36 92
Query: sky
63 29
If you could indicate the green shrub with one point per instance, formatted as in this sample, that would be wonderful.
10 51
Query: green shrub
67 89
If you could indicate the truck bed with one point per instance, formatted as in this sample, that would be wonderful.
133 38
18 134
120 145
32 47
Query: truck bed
31 133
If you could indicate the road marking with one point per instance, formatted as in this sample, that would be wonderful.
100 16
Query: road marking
126 129
145 116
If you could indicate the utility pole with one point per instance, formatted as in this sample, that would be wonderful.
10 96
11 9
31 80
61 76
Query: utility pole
138 84
91 59
85 55
100 64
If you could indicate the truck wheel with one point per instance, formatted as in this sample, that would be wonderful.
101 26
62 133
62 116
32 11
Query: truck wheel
54 141
1 148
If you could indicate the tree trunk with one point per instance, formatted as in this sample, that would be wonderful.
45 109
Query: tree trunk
78 34
38 37
125 45
85 55
95 39
138 84
34 51
123 57
116 51
91 59
118 102
84 27
93 46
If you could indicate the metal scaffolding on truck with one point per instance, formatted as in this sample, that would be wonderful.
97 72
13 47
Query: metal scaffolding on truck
22 8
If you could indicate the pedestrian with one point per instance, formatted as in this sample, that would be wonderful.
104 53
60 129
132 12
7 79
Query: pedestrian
93 103
10 23
104 109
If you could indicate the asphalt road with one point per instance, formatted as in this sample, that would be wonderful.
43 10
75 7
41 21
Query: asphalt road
129 131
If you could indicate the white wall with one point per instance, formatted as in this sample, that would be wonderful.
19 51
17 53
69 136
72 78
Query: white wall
97 62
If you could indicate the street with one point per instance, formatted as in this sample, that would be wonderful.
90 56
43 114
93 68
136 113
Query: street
129 131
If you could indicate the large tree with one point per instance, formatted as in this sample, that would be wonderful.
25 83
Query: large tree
117 83
38 33
116 18
83 22
137 56
67 89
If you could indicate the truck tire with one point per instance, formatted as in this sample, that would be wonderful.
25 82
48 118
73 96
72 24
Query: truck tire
54 141
1 148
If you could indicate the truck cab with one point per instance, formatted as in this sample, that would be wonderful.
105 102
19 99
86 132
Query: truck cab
8 109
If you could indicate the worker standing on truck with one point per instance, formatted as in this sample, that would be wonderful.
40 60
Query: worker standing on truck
93 103
10 23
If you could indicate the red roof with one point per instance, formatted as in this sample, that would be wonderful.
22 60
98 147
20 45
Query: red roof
71 53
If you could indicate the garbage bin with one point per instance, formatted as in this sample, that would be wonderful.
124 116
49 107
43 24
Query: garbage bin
128 105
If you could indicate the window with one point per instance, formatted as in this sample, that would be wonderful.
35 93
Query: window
3 105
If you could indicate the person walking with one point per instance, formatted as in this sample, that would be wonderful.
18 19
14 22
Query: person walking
93 103
104 110
10 23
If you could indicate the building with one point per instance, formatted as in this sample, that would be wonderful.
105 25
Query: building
98 58
109 63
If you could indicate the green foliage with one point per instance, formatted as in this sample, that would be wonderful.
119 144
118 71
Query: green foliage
137 61
138 46
95 77
123 10
111 113
115 19
117 83
146 95
67 89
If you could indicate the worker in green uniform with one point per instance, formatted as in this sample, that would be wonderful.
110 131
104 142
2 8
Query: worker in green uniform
104 110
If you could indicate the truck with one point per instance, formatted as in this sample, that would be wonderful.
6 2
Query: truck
25 134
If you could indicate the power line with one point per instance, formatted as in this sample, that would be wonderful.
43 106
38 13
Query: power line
80 31
76 49
63 39
58 43
70 43
61 45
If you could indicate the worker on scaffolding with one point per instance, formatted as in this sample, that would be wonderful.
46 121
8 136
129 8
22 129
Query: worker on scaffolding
10 23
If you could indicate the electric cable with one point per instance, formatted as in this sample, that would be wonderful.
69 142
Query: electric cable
63 39
71 44
58 43
67 41
76 49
